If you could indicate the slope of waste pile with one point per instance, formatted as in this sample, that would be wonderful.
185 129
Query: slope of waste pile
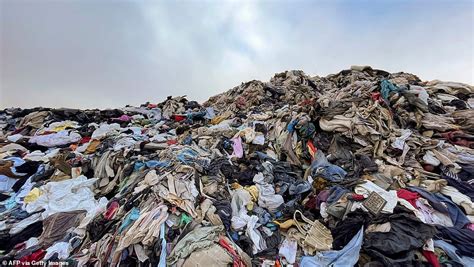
360 168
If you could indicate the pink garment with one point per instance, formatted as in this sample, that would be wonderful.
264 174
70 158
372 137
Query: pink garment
123 118
237 146
470 226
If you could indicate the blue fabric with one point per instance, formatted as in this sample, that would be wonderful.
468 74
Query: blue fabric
335 193
387 87
156 163
162 262
10 202
321 167
451 251
187 156
138 165
291 126
188 140
347 256
132 216
210 114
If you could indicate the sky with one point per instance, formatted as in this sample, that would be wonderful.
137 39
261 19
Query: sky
107 54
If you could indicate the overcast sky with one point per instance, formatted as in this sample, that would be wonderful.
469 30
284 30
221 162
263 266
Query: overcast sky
112 53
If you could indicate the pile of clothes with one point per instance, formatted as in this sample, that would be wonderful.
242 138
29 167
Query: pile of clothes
360 168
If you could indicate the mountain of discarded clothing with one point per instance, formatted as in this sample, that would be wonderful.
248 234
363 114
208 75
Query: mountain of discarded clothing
359 168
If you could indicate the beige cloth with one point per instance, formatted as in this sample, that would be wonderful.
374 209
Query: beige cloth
213 256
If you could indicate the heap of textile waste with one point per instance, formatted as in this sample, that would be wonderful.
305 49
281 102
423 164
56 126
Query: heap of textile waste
360 168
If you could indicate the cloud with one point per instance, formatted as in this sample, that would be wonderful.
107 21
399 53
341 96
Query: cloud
109 54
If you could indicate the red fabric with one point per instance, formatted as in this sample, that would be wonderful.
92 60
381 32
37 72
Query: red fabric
172 142
311 203
408 196
85 140
357 197
428 167
312 149
376 96
35 256
459 138
431 258
307 102
237 260
111 210
152 105
179 118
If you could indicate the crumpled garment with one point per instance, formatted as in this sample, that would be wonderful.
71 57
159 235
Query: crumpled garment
61 249
288 250
398 245
68 195
32 196
259 243
267 198
181 192
390 196
347 256
145 229
56 139
237 147
104 130
386 87
215 255
452 253
198 238
322 168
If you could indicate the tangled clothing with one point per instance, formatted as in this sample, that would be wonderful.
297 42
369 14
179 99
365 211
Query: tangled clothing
34 119
7 242
348 228
462 239
458 217
452 253
68 195
347 256
267 198
288 249
339 123
7 168
463 187
240 199
181 191
19 226
252 232
390 196
35 257
57 225
459 198
213 256
145 229
61 249
198 238
57 139
321 167
409 196
432 216
396 247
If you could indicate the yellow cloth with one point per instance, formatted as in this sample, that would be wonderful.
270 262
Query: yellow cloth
253 191
32 195
286 224
235 186
217 119
64 126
